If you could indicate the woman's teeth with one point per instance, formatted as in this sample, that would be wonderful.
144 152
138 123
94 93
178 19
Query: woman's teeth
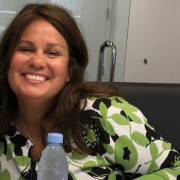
35 77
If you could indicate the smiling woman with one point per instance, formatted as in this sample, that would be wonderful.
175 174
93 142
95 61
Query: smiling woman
43 57
39 65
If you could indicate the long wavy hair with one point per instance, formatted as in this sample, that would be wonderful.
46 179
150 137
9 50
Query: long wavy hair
63 116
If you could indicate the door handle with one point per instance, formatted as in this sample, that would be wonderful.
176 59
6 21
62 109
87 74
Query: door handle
101 60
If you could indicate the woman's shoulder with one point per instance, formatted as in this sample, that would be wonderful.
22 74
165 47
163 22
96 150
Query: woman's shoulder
113 106
109 102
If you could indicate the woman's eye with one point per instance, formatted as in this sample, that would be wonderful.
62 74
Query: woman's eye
26 50
52 53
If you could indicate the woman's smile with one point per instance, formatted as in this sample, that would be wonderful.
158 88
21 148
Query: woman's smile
35 77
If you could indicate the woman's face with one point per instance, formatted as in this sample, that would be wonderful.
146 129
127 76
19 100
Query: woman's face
39 65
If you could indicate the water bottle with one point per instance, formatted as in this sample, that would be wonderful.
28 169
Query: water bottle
53 164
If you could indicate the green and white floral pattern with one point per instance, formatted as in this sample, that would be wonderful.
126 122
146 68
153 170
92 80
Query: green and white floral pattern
122 143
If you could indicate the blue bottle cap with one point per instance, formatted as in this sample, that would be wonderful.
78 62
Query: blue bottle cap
55 138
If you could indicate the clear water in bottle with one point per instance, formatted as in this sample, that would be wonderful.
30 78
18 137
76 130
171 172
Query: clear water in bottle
53 164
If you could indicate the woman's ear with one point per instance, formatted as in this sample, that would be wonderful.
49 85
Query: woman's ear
69 75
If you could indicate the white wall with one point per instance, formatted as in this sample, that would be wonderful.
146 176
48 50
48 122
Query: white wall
120 37
93 22
154 33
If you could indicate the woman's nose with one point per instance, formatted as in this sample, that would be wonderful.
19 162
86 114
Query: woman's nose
37 61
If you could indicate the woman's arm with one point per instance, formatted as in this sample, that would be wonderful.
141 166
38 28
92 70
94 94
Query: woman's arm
137 148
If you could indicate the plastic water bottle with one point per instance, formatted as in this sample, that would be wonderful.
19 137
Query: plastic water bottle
53 164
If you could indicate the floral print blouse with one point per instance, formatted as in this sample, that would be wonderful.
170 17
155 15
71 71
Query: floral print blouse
124 146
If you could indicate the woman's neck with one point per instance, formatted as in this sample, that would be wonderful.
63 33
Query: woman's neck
33 111
29 116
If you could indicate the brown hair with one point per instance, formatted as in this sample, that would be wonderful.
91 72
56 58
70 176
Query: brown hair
63 116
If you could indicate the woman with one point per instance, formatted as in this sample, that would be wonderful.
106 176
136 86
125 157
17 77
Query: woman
43 57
